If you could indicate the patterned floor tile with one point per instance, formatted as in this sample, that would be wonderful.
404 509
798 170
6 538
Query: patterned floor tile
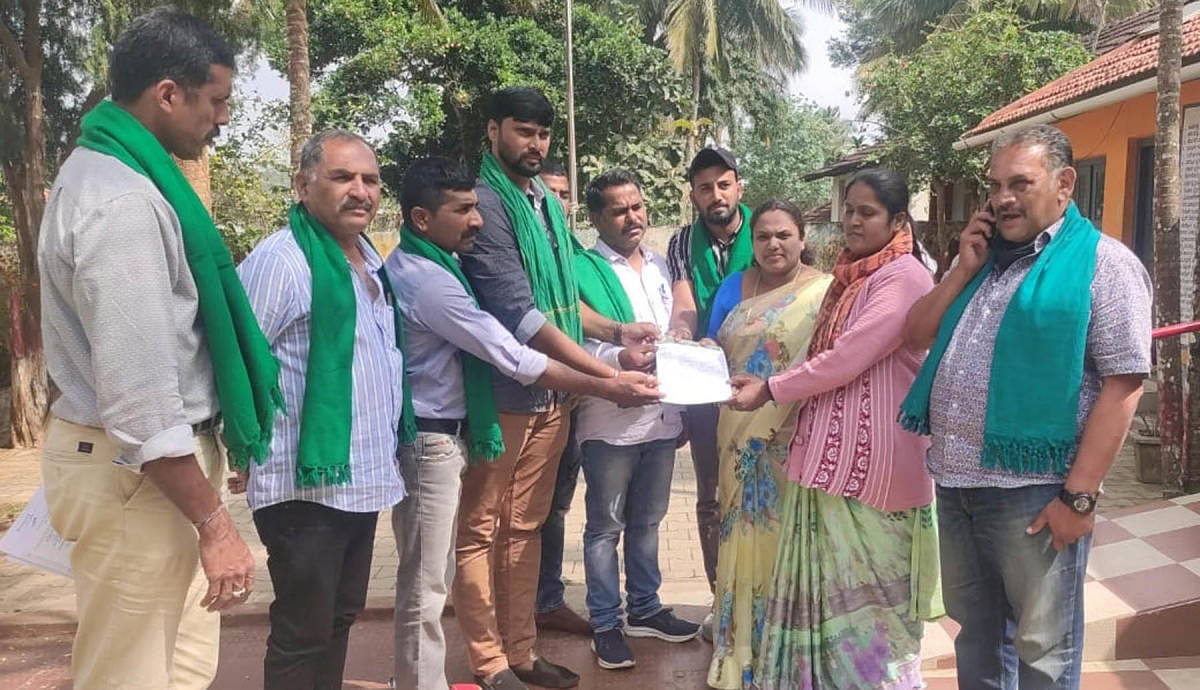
1156 521
1180 679
1101 603
1180 545
1109 532
1192 565
1155 588
1124 557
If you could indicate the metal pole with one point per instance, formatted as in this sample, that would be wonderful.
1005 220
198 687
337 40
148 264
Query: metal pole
571 119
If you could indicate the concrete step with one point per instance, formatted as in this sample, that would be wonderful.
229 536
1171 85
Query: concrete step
1142 595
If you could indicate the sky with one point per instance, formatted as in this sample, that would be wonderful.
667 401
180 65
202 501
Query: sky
821 83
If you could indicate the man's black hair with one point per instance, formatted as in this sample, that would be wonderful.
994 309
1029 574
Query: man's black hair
426 181
165 43
553 168
521 103
617 177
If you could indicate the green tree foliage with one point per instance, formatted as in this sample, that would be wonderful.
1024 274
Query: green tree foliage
928 99
382 68
781 150
250 185
877 27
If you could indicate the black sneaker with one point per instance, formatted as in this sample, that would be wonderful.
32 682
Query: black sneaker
504 680
611 650
547 675
663 625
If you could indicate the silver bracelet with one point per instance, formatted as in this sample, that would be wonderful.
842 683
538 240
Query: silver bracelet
200 525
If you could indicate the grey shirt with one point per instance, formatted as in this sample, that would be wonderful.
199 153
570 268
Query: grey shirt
1118 342
440 320
119 311
498 277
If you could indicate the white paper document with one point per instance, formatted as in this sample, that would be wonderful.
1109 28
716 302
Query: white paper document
691 374
33 541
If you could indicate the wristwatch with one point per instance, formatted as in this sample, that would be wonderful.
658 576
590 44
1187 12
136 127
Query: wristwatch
1083 503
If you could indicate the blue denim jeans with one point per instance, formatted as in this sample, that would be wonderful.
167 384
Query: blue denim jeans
1019 602
550 583
628 488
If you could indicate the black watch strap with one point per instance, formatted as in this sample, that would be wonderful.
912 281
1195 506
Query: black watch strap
1083 503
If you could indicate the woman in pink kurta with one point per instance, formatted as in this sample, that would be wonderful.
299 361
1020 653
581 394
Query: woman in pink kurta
856 570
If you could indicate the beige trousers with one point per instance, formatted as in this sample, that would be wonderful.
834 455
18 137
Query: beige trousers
138 581
499 544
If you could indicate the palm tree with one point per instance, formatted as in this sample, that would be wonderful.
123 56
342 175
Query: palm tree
299 91
908 21
695 32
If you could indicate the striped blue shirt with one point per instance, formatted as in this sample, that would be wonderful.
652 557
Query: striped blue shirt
279 285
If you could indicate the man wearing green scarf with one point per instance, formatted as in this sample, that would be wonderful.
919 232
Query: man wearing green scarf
149 339
333 323
628 454
453 349
700 255
1040 339
521 270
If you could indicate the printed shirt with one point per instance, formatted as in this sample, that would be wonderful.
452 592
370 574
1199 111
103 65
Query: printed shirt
679 257
279 284
1118 342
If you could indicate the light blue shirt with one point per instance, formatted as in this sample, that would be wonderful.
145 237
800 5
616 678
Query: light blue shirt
279 284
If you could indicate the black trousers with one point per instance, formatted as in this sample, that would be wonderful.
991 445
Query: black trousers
320 562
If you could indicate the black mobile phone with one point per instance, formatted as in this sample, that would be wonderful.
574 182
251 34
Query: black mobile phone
990 209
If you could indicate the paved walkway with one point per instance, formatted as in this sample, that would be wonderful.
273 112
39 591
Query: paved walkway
32 596
27 590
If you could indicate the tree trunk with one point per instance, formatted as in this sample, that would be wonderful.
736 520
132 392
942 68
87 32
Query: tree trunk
1166 243
196 173
298 78
941 191
28 190
28 366
685 204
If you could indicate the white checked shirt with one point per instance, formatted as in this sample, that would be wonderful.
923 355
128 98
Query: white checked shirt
649 294
279 284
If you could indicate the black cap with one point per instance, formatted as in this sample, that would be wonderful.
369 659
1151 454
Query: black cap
709 157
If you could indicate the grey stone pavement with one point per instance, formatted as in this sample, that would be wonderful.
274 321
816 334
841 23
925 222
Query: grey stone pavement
28 594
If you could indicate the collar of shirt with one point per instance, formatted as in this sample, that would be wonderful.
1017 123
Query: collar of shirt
536 195
614 257
370 254
1046 235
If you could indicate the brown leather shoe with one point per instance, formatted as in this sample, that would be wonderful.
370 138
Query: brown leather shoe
563 619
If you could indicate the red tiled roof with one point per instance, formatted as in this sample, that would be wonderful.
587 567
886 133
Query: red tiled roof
1130 62
855 160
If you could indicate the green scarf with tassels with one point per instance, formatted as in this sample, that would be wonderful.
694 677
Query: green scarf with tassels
599 285
323 457
245 371
1037 363
706 274
551 270
483 422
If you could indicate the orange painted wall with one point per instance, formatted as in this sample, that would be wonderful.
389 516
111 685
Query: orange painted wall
1113 132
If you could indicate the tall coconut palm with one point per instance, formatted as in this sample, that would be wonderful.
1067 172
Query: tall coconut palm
697 31
908 21
299 90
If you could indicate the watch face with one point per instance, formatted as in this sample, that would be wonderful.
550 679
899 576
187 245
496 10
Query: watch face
1082 504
